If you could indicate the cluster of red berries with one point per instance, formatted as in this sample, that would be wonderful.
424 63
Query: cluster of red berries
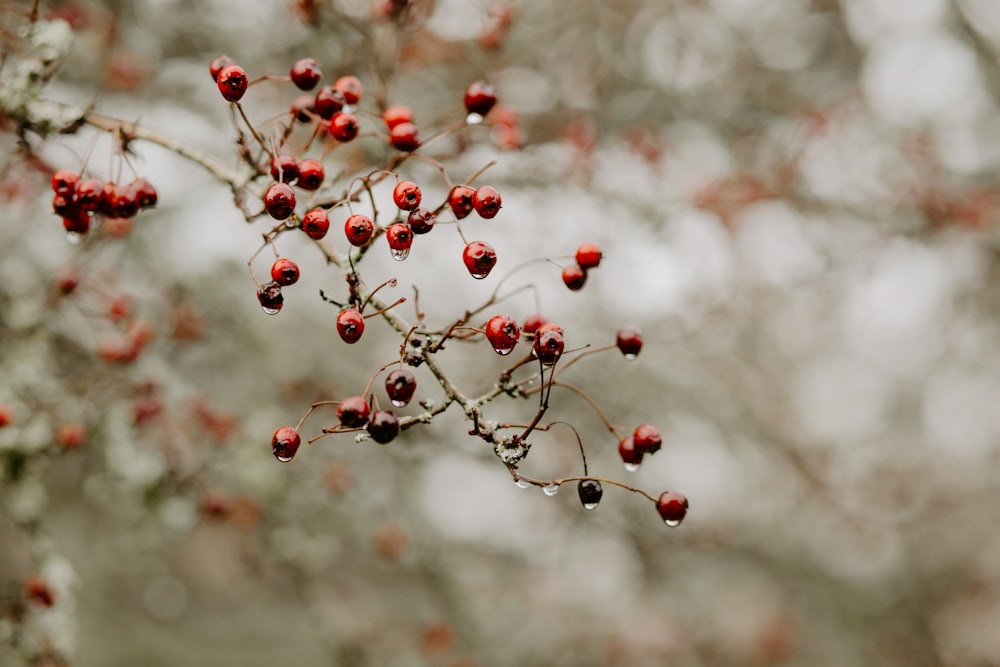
284 272
77 200
588 256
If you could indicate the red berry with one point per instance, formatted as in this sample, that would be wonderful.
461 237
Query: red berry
532 323
279 200
327 102
549 344
284 443
590 493
89 193
383 426
396 115
284 271
350 325
39 591
588 255
358 229
672 506
630 455
145 193
629 341
406 195
316 223
400 238
486 201
311 174
233 83
270 297
353 412
574 277
480 98
284 168
344 127
303 107
125 201
71 435
218 64
63 205
479 258
460 200
400 386
64 182
421 220
350 88
647 439
306 73
76 222
503 334
404 136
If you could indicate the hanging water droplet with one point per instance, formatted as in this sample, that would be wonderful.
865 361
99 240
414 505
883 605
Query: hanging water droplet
75 238
589 506
284 458
473 119
630 357
550 490
631 467
673 523
398 403
270 311
480 276
399 254
503 351
522 484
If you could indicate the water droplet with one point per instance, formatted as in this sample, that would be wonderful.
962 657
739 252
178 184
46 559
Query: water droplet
480 276
589 506
503 351
673 523
473 119
270 311
631 467
400 254
550 490
75 238
284 458
522 484
398 404
630 357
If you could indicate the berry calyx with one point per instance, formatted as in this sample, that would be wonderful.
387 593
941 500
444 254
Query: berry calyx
64 182
590 493
279 200
383 426
284 168
503 334
404 137
284 443
284 271
629 342
400 385
311 174
350 325
532 323
672 506
400 238
631 456
270 297
306 73
232 82
574 277
460 200
549 344
421 220
588 255
344 127
480 98
328 101
406 195
353 412
350 87
479 258
218 64
396 115
316 223
486 201
647 439
358 229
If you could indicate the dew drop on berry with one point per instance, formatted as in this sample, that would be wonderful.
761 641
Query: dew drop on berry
521 484
397 403
284 458
550 489
590 506
270 311
473 119
630 357
399 254
631 467
673 523
75 238
503 351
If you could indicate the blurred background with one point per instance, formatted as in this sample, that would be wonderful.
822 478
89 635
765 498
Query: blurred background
797 202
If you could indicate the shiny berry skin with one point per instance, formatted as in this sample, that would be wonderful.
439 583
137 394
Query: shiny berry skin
284 168
316 223
145 193
503 334
218 64
383 426
353 412
284 443
647 439
400 386
328 101
629 342
119 201
350 325
64 182
344 127
270 297
396 115
63 205
405 137
400 238
406 195
588 255
532 323
549 344
89 194
311 174
279 200
421 220
306 73
460 200
303 107
284 271
479 258
480 98
358 229
672 506
486 201
76 222
233 83
350 87
630 455
574 277
590 493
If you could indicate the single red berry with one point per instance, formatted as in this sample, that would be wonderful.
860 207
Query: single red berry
590 493
146 194
316 223
270 297
71 435
328 101
630 455
588 255
233 83
306 73
503 334
39 592
672 506
629 341
218 64
460 200
400 238
532 323
279 200
64 182
479 258
350 325
358 229
124 202
108 195
353 412
284 271
396 115
383 426
549 344
311 174
350 87
480 98
405 137
344 127
303 107
486 201
406 195
647 439
88 194
76 222
400 386
284 168
574 277
284 443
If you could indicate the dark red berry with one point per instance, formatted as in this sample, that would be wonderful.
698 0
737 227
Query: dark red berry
479 258
120 201
629 341
284 168
311 174
406 195
532 323
574 277
400 238
218 64
284 443
270 297
64 182
146 194
590 492
503 334
460 200
486 201
400 386
383 426
396 115
316 223
344 127
328 101
358 229
588 255
63 205
421 220
303 107
89 194
233 83
480 98
549 344
647 439
279 200
76 222
284 271
350 87
405 137
306 73
672 506
630 455
350 325
353 412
